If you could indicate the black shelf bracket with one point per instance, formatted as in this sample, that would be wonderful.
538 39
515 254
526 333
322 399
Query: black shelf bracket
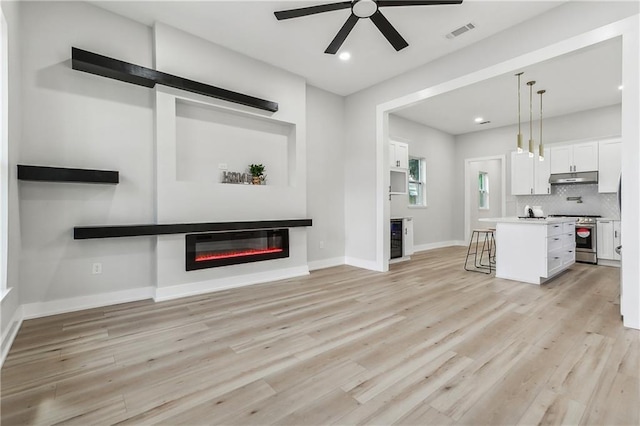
63 174
93 63
115 231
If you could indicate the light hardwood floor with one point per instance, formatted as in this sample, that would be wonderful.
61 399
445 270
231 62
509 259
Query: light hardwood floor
426 343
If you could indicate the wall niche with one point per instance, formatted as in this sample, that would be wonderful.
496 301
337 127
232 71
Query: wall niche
210 140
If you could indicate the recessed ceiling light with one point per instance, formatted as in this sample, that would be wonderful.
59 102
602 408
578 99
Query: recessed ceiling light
620 87
478 119
345 56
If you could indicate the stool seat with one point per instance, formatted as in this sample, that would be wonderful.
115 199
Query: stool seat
487 235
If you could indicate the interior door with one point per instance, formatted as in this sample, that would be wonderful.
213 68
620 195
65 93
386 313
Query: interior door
484 202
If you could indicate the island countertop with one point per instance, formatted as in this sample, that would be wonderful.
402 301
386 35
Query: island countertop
528 221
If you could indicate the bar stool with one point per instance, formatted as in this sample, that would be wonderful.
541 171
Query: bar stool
488 248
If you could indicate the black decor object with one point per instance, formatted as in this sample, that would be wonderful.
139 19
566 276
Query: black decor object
115 231
62 174
362 9
232 248
104 66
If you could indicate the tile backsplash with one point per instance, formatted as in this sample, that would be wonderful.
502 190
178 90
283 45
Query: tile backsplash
593 203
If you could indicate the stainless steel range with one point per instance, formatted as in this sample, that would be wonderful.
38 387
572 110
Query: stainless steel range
586 242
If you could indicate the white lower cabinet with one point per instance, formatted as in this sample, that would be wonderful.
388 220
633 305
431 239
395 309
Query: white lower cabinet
534 252
608 234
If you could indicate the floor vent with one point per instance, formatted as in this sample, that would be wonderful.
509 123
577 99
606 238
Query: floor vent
463 29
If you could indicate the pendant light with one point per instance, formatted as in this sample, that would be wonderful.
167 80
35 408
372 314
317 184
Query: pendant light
519 132
541 146
531 144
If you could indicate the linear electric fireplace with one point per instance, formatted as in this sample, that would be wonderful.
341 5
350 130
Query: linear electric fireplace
231 248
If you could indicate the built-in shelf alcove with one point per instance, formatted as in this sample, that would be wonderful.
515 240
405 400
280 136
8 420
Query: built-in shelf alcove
210 140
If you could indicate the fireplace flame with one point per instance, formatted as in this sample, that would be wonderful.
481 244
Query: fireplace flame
201 257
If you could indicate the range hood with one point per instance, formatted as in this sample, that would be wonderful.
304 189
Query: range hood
570 178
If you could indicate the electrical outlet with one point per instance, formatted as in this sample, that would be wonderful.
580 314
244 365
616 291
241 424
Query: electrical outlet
96 269
321 244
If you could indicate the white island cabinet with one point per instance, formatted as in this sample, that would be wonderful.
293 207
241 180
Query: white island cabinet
534 250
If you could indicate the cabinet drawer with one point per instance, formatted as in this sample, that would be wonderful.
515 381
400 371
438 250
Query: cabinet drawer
568 227
554 229
555 243
554 263
569 257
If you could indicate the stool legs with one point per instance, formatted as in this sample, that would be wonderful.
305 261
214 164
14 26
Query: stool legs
488 248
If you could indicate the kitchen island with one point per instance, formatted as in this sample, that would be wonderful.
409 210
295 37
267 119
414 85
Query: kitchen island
533 250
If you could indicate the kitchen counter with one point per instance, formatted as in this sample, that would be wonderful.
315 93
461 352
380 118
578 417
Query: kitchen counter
528 221
533 254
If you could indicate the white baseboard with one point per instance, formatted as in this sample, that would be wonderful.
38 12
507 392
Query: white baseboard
371 265
201 287
72 304
10 334
441 244
606 262
326 263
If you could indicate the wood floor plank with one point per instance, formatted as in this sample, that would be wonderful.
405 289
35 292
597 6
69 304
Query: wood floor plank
425 343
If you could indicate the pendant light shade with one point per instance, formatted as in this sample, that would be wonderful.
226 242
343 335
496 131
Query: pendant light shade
519 131
531 143
541 146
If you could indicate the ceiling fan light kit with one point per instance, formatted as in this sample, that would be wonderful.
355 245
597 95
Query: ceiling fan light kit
362 9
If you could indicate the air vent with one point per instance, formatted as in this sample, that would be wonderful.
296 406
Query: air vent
459 31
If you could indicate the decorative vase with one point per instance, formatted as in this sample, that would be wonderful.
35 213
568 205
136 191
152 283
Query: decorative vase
256 180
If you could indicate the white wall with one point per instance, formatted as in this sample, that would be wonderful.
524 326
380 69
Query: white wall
75 119
592 124
10 312
432 224
572 18
325 177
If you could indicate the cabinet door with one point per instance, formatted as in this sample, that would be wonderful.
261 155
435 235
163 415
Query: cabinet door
521 174
393 163
408 236
616 239
561 159
604 244
402 155
609 165
585 157
541 173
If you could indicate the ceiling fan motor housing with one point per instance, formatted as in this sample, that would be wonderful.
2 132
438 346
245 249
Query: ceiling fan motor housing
364 8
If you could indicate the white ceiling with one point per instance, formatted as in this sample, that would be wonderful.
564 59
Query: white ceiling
583 80
298 45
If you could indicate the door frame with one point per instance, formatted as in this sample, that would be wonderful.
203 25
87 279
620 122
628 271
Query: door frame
467 189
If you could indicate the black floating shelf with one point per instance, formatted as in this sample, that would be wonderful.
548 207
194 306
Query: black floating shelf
62 174
91 232
104 66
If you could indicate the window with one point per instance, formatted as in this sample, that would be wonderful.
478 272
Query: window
483 191
417 182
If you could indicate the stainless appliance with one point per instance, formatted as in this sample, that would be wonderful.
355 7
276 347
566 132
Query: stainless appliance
586 238
577 177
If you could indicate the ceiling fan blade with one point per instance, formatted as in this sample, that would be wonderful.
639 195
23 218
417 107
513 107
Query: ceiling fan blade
334 46
388 31
387 3
311 10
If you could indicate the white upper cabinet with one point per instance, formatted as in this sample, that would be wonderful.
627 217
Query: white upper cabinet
541 174
521 174
398 155
581 157
528 175
610 164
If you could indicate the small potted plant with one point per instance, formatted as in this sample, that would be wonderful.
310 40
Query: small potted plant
257 173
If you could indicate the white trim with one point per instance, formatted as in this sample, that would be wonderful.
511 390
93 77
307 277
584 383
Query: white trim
467 189
607 262
326 263
365 264
209 286
441 244
10 334
72 304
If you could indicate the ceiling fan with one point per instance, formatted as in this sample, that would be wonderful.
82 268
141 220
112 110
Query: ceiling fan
361 9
